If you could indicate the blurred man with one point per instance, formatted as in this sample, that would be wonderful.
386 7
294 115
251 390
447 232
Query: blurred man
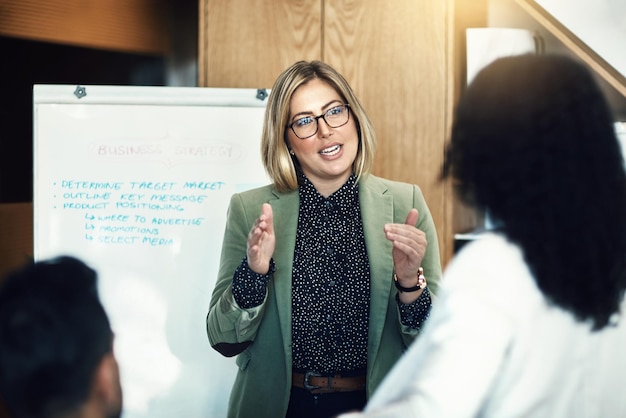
56 344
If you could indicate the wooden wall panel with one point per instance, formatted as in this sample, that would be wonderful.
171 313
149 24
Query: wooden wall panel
396 59
466 14
402 58
138 26
16 235
247 43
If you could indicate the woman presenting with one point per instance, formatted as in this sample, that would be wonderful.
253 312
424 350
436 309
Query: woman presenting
322 278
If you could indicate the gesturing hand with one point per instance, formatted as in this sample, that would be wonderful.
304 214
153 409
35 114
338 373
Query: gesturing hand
261 241
409 247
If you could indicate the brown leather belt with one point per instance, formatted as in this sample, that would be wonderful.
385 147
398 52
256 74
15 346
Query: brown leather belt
315 383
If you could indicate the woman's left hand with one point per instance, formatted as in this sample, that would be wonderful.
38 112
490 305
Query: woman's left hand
409 247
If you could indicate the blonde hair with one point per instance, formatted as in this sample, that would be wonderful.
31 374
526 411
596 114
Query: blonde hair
277 161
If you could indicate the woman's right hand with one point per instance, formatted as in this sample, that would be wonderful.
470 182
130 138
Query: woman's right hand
261 241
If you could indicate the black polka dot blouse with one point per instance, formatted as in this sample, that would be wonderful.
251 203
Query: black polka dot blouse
330 284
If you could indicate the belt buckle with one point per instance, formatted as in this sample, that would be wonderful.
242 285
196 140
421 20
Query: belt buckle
307 384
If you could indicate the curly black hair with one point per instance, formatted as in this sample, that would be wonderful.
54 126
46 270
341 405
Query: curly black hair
533 144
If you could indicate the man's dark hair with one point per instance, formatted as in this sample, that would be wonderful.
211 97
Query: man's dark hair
53 334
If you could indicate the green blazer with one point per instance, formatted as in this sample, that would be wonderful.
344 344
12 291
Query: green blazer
261 336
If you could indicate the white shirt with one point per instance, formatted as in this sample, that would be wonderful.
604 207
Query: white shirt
494 347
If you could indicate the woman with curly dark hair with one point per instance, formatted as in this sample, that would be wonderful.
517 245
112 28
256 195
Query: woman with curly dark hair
529 320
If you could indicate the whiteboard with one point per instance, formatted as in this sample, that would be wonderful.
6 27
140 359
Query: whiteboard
136 182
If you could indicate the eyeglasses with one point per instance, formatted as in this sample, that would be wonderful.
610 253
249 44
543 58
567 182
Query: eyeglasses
306 126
